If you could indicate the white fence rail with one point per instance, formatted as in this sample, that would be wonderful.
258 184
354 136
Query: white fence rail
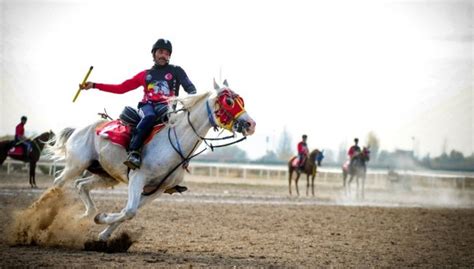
375 178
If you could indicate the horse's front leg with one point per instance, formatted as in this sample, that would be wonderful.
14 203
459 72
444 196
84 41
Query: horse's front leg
307 184
85 185
363 186
32 174
312 183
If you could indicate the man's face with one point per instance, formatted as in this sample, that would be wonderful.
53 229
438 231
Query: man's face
23 121
162 56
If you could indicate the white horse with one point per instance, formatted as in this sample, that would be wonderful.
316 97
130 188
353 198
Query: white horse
162 158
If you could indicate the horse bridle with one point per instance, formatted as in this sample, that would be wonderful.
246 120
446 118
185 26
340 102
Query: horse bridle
185 159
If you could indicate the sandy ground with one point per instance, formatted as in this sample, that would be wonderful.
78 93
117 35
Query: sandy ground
234 223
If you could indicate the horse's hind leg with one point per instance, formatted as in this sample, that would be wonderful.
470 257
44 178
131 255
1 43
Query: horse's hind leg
75 166
107 232
296 183
85 185
363 187
135 199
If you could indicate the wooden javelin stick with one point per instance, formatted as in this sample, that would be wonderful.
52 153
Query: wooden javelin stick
84 81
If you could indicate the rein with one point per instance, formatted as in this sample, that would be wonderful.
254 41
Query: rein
185 160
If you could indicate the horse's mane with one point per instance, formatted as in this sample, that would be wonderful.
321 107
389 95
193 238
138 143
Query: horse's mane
314 153
189 101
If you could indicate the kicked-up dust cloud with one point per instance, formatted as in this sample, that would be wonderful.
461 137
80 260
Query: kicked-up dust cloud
53 220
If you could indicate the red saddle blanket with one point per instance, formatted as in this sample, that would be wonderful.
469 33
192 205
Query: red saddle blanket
295 162
120 133
345 166
16 151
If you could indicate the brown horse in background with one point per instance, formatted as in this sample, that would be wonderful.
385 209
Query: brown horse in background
310 169
37 144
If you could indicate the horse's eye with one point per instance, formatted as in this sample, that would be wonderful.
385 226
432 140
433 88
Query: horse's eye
229 101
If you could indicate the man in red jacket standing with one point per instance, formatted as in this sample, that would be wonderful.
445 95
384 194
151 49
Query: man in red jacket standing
159 83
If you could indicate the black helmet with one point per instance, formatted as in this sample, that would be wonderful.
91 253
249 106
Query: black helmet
162 44
23 118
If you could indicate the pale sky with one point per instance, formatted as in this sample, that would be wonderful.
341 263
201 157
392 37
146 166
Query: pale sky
334 70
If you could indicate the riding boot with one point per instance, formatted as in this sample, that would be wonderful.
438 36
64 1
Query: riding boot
134 158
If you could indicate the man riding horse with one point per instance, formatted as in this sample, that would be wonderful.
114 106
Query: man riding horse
354 151
20 138
159 83
302 151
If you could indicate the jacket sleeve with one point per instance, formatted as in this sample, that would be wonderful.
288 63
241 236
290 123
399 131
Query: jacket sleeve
126 86
183 79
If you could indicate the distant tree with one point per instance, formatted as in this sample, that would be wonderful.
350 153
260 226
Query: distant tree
426 161
374 143
456 156
285 149
269 157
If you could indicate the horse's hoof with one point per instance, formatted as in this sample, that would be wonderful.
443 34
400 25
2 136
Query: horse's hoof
98 218
177 188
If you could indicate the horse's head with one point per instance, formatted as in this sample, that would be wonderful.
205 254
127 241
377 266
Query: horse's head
320 157
229 111
45 137
366 153
317 156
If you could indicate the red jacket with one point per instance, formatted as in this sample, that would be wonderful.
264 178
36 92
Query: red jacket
303 148
133 83
158 82
20 130
353 150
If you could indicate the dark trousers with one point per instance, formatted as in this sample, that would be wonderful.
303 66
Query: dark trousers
149 113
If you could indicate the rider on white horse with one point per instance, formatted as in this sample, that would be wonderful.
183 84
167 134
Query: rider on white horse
160 82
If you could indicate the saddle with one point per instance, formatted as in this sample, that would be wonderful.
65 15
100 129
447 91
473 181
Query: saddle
119 131
16 151
295 163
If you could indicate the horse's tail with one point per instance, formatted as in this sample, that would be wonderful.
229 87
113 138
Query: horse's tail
58 150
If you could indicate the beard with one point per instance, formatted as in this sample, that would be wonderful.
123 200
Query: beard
162 61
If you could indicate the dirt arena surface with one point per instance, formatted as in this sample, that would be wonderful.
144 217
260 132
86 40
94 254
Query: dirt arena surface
235 224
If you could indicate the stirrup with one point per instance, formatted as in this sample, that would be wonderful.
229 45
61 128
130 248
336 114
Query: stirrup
133 160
